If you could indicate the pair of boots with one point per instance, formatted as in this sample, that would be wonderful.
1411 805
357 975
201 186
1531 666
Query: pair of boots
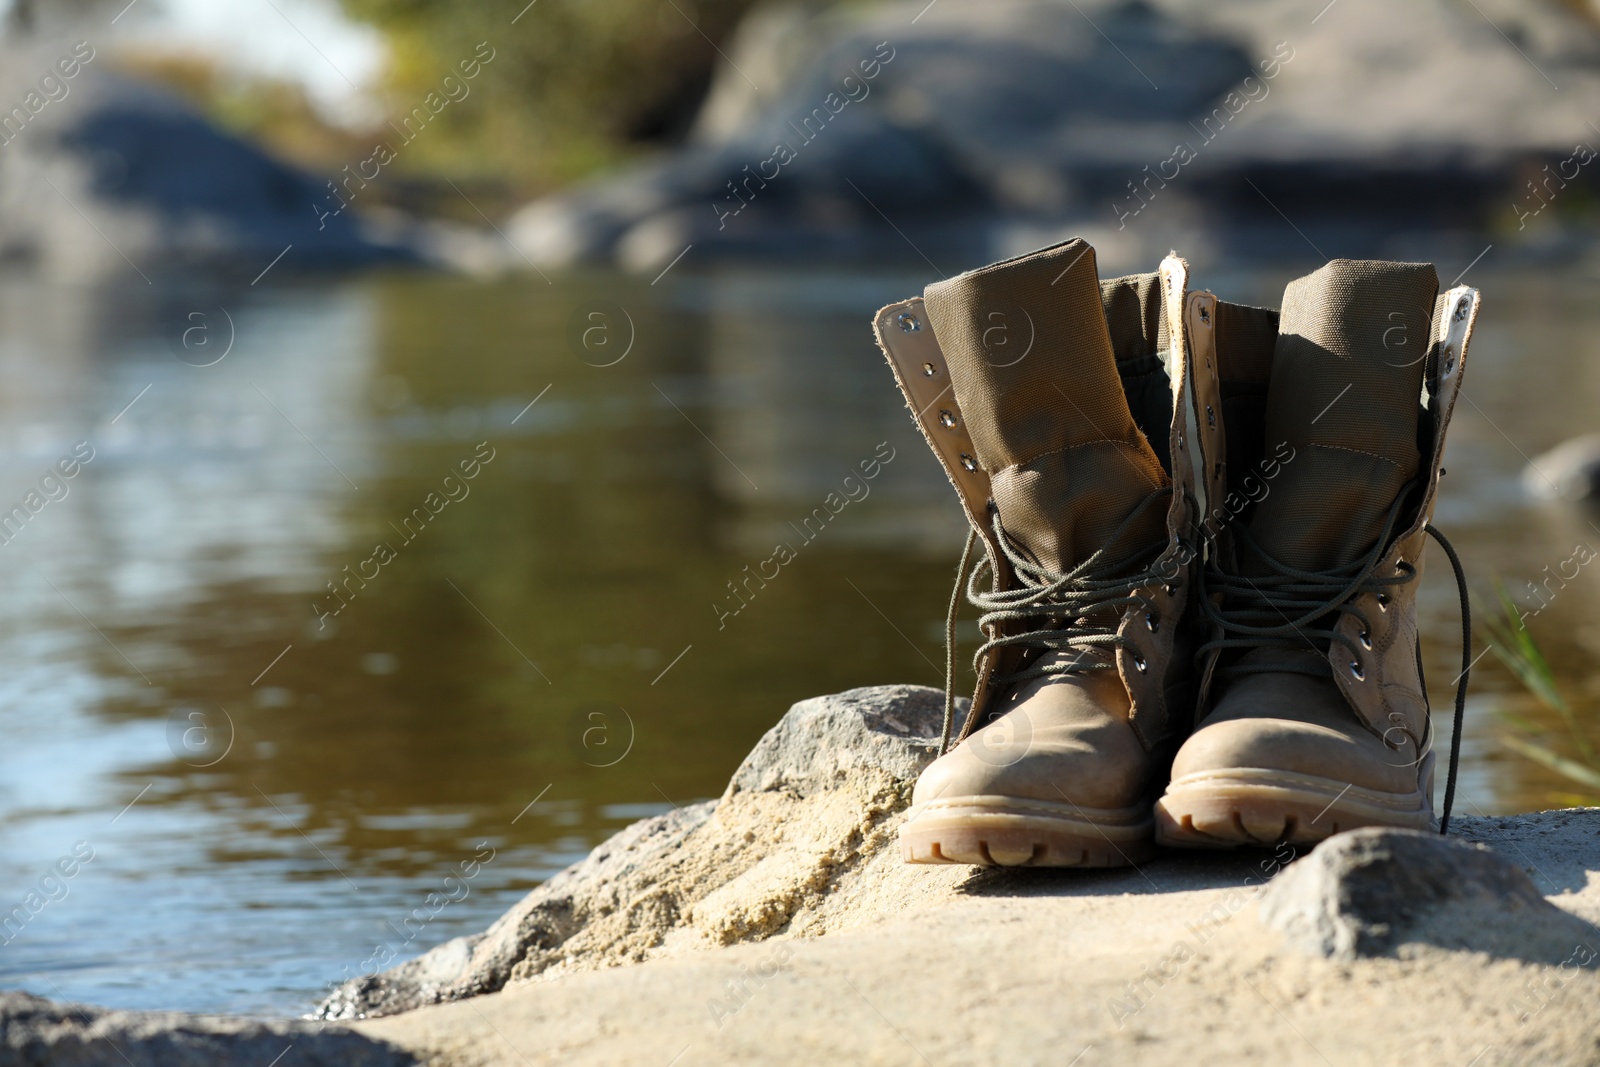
1202 527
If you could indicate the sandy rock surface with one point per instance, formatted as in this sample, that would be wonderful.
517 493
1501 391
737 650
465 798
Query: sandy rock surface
798 845
1167 965
778 925
814 942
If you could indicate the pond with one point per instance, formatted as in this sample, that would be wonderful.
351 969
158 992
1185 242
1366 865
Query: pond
259 741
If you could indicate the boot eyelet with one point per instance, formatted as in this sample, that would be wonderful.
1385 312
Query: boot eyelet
929 370
1180 440
1171 589
1383 601
947 419
968 463
1356 671
1152 622
1366 640
1139 664
908 322
1211 416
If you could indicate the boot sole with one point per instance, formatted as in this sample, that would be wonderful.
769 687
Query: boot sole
1251 806
993 831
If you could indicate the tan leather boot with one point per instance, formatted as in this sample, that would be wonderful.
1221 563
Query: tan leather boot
1049 398
1314 714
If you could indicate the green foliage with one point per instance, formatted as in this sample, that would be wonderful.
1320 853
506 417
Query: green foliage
1515 646
574 84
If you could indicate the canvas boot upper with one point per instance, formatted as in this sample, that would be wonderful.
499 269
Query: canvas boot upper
1062 383
1315 710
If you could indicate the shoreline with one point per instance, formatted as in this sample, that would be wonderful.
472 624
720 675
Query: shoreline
779 925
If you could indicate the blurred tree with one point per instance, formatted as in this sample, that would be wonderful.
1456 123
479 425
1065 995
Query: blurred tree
574 84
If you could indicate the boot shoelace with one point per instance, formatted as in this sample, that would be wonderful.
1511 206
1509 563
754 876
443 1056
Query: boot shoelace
1287 607
1074 611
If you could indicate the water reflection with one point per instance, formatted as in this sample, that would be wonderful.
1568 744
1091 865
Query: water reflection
539 656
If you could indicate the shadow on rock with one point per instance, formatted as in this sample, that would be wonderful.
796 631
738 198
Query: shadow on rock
1172 872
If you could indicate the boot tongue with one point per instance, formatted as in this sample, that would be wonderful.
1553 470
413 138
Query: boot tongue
1345 395
1032 364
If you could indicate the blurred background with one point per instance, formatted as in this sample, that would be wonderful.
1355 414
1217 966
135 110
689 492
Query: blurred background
271 271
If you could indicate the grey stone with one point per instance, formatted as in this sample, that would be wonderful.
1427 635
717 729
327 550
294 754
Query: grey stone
1001 124
35 1032
118 177
801 845
542 921
622 901
892 729
1372 891
1570 471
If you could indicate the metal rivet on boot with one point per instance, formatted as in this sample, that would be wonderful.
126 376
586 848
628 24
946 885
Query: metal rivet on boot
1449 360
968 463
1366 640
1211 416
947 419
1152 622
1205 314
929 370
1139 664
1383 601
908 322
1355 669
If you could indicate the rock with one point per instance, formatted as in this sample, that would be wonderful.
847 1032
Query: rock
1559 849
539 925
1154 966
995 123
726 903
1569 471
35 1031
119 179
1369 892
809 808
825 742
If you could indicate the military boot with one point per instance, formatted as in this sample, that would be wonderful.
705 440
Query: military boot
1321 475
1050 399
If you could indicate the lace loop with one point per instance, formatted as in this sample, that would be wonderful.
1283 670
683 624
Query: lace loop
1461 680
1075 611
1245 611
950 641
1289 607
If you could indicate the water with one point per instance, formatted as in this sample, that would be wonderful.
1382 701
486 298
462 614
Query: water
276 796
